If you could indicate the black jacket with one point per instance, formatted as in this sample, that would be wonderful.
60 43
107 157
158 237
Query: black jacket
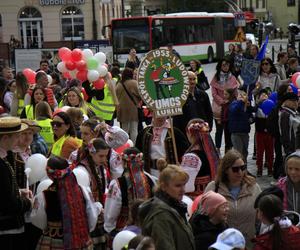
204 231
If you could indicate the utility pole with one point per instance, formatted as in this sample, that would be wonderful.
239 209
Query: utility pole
94 22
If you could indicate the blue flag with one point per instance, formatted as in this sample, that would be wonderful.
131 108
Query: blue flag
263 48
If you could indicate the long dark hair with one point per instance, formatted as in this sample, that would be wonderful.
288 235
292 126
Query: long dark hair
127 74
22 85
268 60
67 120
272 209
219 66
32 95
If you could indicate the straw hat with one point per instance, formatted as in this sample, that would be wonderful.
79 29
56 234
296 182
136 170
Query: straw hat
32 125
10 125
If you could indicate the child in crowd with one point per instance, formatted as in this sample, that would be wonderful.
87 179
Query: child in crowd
230 239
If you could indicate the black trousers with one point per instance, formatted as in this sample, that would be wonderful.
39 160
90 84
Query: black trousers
278 168
12 241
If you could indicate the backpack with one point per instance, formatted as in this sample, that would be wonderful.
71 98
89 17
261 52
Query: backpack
272 122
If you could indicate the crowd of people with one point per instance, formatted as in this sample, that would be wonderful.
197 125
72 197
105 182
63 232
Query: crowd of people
125 186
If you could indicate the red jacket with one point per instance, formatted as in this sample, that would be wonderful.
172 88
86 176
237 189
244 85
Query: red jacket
291 238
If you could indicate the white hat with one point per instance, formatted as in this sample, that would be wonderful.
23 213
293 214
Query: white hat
115 137
229 239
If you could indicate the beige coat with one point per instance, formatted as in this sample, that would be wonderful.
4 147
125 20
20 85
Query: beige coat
241 211
127 111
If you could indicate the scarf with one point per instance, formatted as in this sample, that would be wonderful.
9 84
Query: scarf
75 225
224 76
179 206
157 131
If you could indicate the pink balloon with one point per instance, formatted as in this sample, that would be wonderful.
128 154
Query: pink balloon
105 65
81 65
196 203
99 84
82 75
70 65
297 83
294 78
64 54
76 55
109 75
30 75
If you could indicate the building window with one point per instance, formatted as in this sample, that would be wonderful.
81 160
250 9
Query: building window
291 3
72 24
31 28
257 4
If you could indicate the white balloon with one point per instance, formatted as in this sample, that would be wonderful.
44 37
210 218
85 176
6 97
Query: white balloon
93 75
187 200
37 163
82 176
43 185
61 67
87 53
122 239
101 57
102 70
298 82
49 79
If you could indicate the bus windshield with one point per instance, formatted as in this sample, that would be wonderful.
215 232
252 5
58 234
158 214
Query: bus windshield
129 34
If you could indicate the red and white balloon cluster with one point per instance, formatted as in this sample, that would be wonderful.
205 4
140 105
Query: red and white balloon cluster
296 80
30 76
83 65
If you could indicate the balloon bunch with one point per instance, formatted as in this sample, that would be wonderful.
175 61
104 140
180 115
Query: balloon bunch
296 80
30 76
83 65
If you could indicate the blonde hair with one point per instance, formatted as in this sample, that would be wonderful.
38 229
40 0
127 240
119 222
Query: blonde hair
169 173
42 109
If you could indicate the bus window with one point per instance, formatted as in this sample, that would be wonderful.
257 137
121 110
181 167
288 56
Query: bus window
229 30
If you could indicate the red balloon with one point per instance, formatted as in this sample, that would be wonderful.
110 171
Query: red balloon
120 149
64 54
30 75
82 75
196 203
294 78
76 55
70 65
85 95
67 75
81 65
99 84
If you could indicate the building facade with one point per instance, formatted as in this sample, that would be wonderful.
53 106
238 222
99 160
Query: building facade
33 23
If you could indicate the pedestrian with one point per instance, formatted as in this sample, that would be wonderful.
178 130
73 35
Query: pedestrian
222 80
133 59
164 217
202 82
280 234
281 67
210 219
240 190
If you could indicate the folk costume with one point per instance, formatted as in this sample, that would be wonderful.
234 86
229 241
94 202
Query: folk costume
65 212
156 143
133 184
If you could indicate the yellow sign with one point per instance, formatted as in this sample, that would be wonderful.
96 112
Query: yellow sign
240 35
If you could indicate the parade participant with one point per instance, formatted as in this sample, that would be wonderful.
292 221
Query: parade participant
201 152
56 85
38 95
197 105
264 140
202 82
122 192
41 80
209 220
229 97
8 95
282 59
129 97
222 80
230 239
238 58
77 118
73 98
44 66
17 201
132 57
43 117
17 104
164 217
7 74
155 142
94 161
240 190
280 234
290 184
293 65
64 136
64 211
289 120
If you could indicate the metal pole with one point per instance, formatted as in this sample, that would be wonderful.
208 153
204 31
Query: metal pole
273 53
260 33
94 22
123 8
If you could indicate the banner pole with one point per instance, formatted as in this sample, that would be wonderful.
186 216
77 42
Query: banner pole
173 140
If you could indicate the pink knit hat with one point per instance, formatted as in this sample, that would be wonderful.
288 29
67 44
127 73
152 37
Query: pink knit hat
210 201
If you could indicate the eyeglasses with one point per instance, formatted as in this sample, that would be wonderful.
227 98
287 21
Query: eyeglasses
236 169
56 124
265 64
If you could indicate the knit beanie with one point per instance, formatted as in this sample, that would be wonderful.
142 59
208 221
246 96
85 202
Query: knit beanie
210 201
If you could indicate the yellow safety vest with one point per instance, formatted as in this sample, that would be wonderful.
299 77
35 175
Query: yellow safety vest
200 70
29 112
46 131
61 104
20 106
104 108
57 146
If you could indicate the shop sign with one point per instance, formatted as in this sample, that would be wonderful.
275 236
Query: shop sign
61 2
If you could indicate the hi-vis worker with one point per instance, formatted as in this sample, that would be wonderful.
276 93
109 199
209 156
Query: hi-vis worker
38 95
64 136
103 102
